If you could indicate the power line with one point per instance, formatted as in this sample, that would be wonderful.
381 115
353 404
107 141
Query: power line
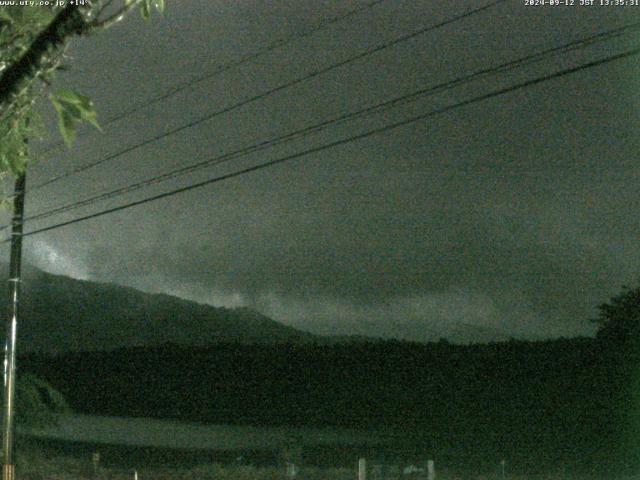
403 99
343 141
270 92
230 65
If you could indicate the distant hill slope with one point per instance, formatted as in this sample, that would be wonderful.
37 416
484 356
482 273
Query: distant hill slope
60 314
63 314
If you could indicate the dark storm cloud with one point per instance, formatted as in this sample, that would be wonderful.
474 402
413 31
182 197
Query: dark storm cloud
514 215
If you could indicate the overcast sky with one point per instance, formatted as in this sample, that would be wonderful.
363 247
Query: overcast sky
517 215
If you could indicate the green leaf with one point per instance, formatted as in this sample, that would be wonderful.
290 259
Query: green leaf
145 9
72 108
16 13
73 97
5 15
67 126
4 162
160 6
17 163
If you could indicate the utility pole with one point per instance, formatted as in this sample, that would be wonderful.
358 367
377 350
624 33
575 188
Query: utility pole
8 470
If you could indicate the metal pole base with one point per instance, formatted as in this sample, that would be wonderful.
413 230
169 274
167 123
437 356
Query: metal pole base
8 472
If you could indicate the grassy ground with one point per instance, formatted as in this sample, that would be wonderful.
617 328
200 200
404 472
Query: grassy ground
35 465
37 460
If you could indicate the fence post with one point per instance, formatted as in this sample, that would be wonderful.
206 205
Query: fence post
431 470
95 462
291 470
362 469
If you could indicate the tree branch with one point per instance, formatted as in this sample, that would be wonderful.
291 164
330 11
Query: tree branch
67 23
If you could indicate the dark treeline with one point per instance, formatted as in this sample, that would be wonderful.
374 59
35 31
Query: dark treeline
568 401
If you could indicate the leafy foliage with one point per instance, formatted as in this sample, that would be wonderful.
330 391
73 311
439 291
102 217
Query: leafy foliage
73 108
37 402
619 319
20 27
13 151
146 6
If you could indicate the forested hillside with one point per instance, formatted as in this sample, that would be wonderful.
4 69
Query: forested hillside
569 401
